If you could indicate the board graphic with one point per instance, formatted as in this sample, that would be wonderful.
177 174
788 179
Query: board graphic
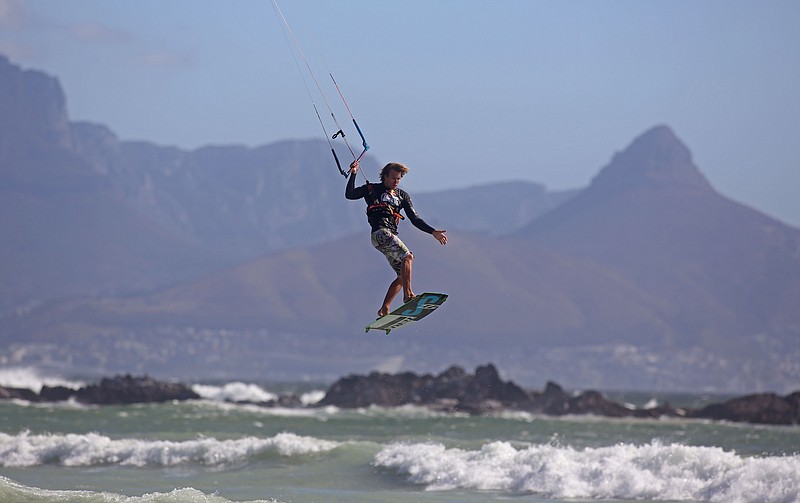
414 310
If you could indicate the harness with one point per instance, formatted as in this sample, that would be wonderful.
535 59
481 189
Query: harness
375 207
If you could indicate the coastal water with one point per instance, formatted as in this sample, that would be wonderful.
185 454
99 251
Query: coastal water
211 450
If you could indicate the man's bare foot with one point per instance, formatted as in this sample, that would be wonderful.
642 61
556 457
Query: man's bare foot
406 298
383 311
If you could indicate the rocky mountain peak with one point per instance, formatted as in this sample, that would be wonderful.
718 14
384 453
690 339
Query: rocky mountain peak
656 158
32 107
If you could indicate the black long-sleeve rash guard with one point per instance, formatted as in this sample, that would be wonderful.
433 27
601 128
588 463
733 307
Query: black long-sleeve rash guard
382 217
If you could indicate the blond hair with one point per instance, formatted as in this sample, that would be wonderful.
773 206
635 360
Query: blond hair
393 166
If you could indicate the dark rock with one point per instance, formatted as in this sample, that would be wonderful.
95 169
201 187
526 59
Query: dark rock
794 399
489 386
453 390
18 394
592 402
127 389
552 401
762 408
56 393
377 389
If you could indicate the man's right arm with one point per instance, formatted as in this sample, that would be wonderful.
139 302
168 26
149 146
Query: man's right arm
351 191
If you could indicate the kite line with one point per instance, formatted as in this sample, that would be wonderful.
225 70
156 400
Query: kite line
296 50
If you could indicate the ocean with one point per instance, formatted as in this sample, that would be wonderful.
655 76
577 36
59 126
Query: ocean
211 450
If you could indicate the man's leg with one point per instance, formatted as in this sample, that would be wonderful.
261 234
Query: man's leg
402 282
405 277
400 258
391 293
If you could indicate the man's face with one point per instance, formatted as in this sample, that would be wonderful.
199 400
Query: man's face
392 180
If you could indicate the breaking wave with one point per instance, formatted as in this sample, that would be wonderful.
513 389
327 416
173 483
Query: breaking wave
93 449
32 379
248 392
652 471
234 392
13 492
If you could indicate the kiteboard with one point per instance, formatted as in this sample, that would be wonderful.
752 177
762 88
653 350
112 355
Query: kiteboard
414 310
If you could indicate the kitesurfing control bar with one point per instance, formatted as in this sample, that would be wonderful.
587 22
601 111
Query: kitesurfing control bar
363 140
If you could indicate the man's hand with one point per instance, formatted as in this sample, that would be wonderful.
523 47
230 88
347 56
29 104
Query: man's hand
354 167
440 236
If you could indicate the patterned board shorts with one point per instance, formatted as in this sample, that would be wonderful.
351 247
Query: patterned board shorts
392 248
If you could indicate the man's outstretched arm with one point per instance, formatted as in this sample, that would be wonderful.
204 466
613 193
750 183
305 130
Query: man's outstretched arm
420 224
351 191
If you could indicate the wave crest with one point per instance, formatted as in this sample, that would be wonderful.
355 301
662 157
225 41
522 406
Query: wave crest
13 492
33 379
93 449
652 471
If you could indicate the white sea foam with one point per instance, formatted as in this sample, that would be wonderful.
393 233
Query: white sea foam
312 397
651 404
13 492
653 471
234 392
33 379
244 392
92 449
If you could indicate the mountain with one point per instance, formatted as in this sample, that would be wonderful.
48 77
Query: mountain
65 229
85 213
646 278
720 271
237 261
475 209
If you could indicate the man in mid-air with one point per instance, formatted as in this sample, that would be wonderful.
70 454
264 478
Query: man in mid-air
384 202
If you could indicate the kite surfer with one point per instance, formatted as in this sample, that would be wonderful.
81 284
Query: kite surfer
384 203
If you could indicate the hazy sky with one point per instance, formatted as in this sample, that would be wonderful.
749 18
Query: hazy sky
464 92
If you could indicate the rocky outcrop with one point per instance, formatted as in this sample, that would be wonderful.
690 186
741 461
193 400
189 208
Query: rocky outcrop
56 393
555 401
484 392
128 389
453 391
762 408
110 391
18 394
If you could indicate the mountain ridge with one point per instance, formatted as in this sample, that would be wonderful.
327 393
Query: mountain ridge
710 244
188 213
223 258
